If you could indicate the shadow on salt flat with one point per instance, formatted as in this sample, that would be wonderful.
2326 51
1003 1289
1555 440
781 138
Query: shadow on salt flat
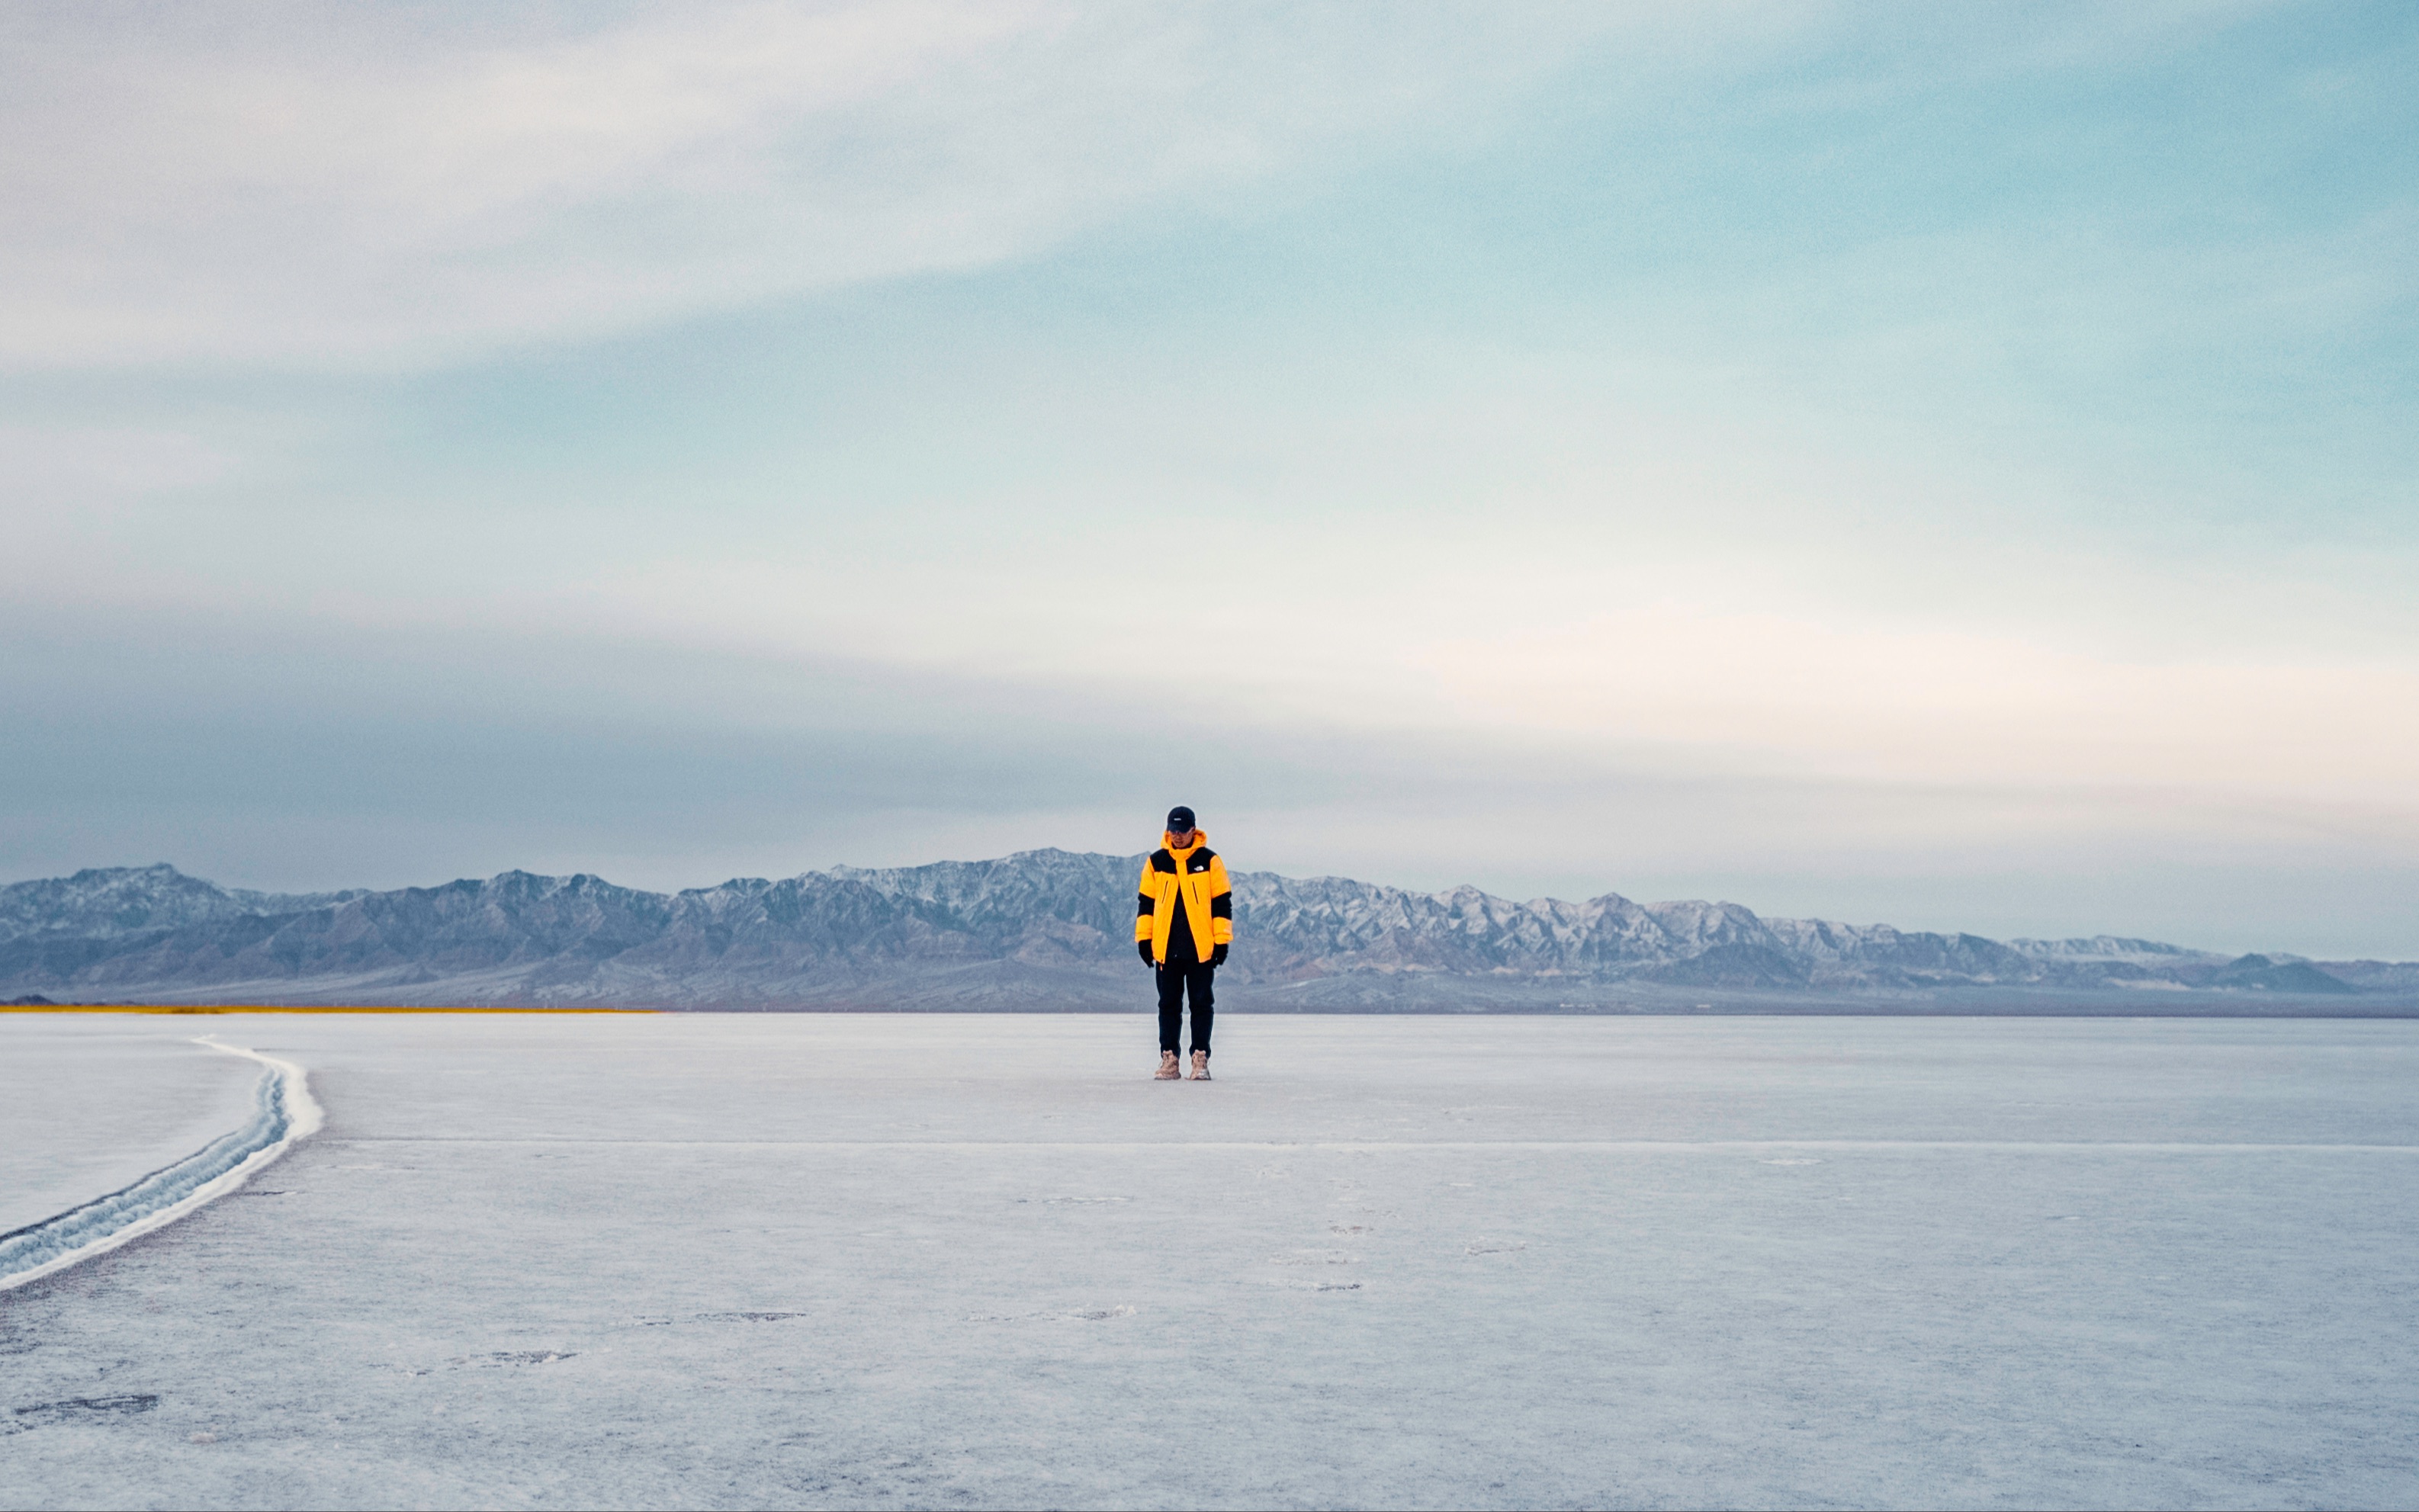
79 1410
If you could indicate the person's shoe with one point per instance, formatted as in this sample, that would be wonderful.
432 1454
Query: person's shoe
1167 1067
1200 1065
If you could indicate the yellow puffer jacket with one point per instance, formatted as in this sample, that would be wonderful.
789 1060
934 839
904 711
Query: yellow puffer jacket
1196 876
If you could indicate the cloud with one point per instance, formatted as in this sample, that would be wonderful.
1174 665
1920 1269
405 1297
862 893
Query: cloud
355 185
1939 703
94 467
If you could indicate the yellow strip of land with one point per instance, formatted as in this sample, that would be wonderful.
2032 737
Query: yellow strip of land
270 1008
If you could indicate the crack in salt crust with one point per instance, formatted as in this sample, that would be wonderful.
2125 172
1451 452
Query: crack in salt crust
283 1113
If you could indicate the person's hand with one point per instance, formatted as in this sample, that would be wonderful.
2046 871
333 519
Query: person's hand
1217 955
1141 948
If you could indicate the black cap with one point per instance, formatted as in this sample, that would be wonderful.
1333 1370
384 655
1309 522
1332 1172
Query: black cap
1179 819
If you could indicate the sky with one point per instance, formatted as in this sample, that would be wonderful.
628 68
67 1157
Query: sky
1943 466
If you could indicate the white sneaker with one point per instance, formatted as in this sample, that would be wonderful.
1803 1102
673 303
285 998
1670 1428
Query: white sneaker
1168 1067
1200 1066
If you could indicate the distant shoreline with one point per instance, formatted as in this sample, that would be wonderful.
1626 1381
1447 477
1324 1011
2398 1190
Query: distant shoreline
284 1008
2334 1011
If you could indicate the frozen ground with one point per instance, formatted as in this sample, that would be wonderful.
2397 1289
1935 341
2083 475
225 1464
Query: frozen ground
941 1261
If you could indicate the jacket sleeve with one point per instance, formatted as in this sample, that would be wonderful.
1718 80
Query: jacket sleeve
1143 904
1222 904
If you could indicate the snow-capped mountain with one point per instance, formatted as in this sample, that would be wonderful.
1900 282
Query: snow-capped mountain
1046 929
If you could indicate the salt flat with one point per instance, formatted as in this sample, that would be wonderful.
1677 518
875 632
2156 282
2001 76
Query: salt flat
912 1260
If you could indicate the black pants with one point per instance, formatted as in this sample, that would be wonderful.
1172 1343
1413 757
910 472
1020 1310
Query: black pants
1173 982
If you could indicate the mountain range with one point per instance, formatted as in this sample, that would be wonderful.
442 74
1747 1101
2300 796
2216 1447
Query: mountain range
1053 928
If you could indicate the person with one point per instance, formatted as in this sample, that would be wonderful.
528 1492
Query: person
1184 922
